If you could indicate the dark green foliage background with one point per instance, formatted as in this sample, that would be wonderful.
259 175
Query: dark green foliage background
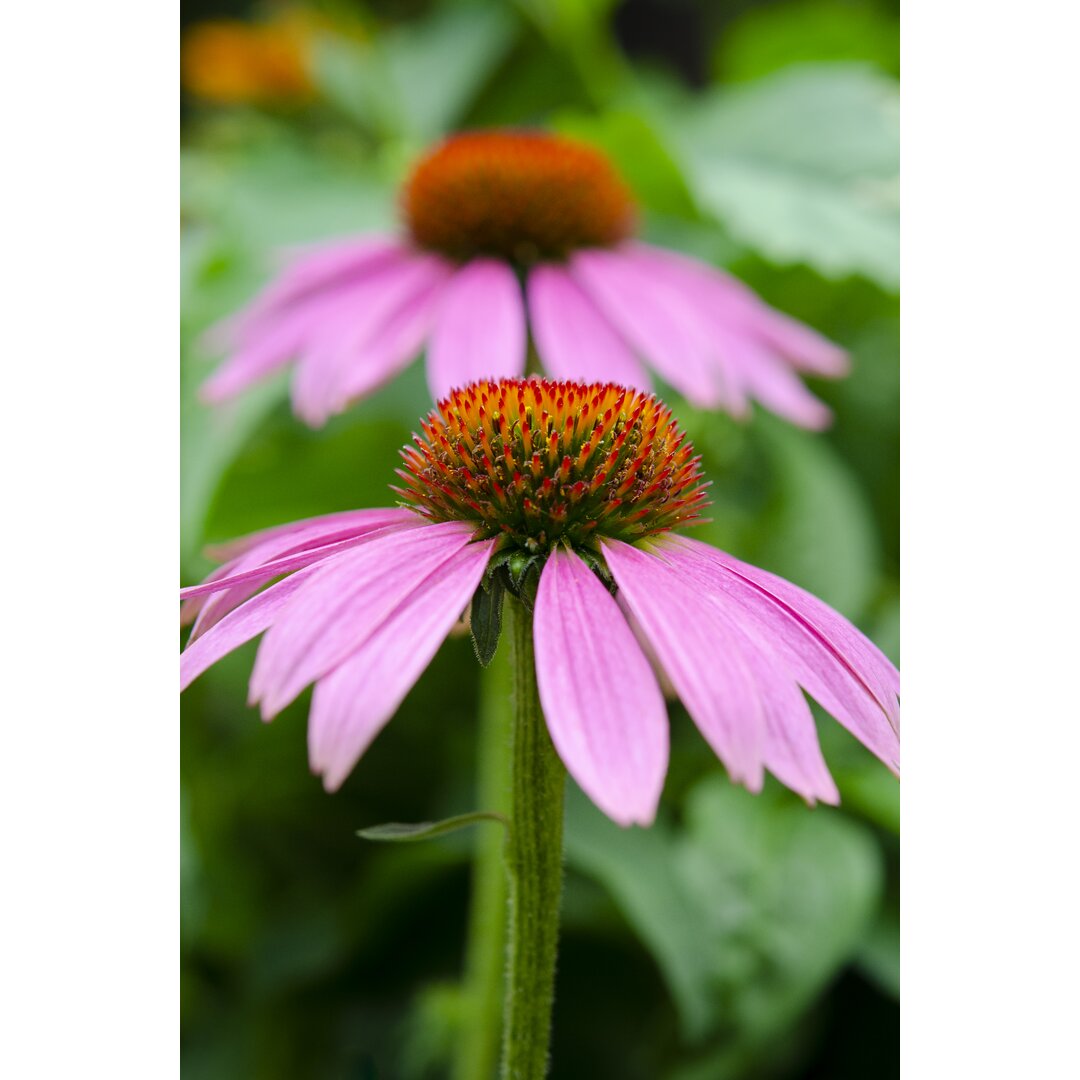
741 937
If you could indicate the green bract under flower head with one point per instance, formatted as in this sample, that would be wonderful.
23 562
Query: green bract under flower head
537 463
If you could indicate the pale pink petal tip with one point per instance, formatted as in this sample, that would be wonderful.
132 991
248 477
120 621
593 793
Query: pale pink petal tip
348 315
479 329
601 701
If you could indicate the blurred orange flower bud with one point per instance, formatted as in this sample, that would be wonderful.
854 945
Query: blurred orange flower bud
232 62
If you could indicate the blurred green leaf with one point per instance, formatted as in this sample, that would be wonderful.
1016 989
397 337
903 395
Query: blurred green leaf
879 954
397 832
766 39
416 80
630 142
749 910
802 166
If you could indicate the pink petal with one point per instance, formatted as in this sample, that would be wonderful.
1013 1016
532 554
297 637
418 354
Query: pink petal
702 655
316 542
838 665
479 330
344 602
737 306
395 346
238 627
351 704
573 338
366 325
262 571
315 270
651 318
781 391
322 525
603 707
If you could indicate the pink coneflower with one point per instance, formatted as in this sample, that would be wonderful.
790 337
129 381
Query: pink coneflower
512 235
567 496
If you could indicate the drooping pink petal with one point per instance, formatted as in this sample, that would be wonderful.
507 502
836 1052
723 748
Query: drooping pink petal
346 599
780 390
351 704
574 340
320 539
649 319
238 627
737 306
321 525
398 342
262 571
365 328
317 269
603 707
703 656
829 657
479 330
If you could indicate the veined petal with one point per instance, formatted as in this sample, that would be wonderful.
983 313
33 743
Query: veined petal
574 340
245 575
351 704
346 599
239 626
837 664
601 701
283 536
703 655
479 330
261 571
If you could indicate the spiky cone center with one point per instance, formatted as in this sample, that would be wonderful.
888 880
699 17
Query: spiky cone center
518 195
536 463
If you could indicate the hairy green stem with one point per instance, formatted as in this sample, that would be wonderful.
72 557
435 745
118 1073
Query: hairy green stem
534 861
485 955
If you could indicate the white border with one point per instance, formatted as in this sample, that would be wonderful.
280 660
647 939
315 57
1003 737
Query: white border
990 538
91 461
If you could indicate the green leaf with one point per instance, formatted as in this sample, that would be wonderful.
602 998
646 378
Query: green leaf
397 832
879 955
802 167
416 80
749 910
767 39
632 144
485 618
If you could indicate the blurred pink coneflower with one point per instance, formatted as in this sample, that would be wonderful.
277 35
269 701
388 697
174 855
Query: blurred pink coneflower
512 237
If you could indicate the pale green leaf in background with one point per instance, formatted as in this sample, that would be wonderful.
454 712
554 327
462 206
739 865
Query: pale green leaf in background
801 166
749 909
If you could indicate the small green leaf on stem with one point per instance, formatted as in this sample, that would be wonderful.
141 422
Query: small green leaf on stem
398 832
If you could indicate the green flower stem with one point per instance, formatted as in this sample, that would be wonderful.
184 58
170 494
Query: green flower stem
534 860
485 956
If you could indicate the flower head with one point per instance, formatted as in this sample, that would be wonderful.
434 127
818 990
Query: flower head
358 603
510 236
522 196
537 463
